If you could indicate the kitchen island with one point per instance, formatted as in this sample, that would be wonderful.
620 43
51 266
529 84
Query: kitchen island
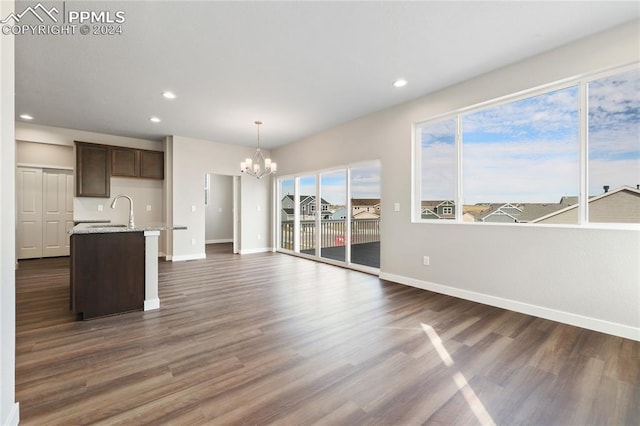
114 268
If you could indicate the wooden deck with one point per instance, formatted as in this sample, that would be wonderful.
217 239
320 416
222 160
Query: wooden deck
275 339
367 254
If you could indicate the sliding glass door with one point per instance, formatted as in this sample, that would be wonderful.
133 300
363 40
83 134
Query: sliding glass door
365 215
287 213
333 215
306 212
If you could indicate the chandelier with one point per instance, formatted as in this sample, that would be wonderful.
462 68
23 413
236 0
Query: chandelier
258 166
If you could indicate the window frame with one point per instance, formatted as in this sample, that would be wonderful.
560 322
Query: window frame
581 82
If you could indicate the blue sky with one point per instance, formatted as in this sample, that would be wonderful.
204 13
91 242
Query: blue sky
614 131
528 151
365 183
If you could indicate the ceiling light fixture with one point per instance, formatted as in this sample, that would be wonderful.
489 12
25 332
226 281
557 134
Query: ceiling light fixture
26 116
400 83
169 95
155 120
258 166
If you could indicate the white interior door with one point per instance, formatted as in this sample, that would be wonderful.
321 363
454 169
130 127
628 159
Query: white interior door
45 212
57 212
29 212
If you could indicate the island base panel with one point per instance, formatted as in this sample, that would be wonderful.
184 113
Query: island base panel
107 273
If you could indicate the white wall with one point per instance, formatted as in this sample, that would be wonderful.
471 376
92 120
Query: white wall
587 277
190 160
9 412
61 136
219 211
32 154
146 193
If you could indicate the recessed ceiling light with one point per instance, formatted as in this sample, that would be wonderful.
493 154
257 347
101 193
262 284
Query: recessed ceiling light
169 95
155 120
26 116
401 82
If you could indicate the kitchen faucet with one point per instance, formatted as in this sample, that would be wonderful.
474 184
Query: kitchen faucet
113 206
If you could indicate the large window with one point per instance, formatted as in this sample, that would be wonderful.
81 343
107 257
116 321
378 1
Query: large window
524 154
614 148
520 161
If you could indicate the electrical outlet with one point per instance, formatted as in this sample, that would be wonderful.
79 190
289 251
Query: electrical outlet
396 207
100 207
193 241
148 207
259 237
193 208
426 261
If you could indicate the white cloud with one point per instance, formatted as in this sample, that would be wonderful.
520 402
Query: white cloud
523 171
542 114
438 172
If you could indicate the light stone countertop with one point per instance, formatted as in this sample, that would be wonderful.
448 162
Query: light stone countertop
108 228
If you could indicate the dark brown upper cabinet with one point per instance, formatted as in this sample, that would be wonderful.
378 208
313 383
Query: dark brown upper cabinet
93 164
125 162
152 164
139 163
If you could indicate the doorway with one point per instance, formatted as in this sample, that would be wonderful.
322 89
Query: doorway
220 211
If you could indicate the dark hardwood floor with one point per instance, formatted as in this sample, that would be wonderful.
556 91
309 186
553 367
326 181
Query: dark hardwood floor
275 339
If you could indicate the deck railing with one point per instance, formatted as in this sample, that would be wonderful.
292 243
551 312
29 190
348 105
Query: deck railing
333 233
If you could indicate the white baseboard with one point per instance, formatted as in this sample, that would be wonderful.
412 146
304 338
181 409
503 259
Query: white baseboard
150 305
224 240
14 416
183 257
595 324
257 250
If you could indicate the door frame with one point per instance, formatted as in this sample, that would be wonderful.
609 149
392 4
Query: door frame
235 207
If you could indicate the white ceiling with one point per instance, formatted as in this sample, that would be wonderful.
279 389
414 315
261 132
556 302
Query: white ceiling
300 67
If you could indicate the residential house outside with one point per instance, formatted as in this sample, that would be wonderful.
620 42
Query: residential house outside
365 205
438 209
339 214
518 213
621 205
307 207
